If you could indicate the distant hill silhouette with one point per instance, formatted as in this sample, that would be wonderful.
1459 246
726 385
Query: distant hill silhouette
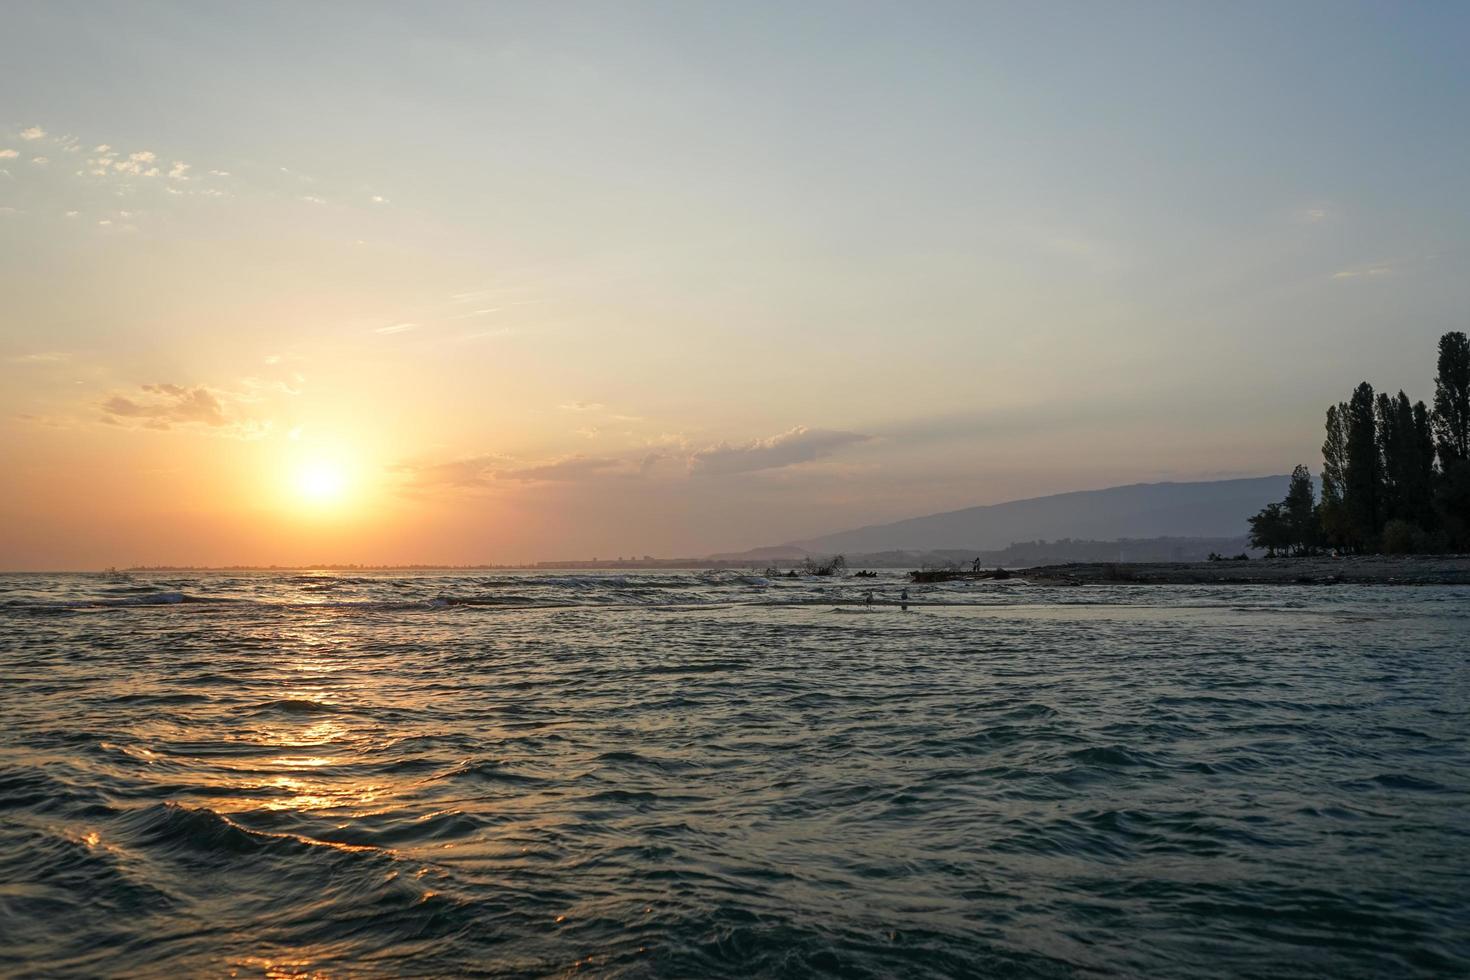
1212 509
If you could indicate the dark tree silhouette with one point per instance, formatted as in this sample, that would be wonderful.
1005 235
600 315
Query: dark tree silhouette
1452 399
1270 529
1300 508
1451 421
1390 455
1291 526
1364 492
1408 463
1336 531
1395 474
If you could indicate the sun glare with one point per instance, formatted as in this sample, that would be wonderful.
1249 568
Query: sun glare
320 482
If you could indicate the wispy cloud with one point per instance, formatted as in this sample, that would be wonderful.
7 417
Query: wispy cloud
568 469
40 357
582 407
672 459
790 448
32 133
395 328
455 474
167 406
482 471
9 154
1367 271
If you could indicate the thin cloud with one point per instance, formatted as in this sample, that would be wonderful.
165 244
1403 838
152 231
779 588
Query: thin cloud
33 133
582 407
457 474
1366 271
482 471
569 469
478 472
168 406
791 448
395 328
40 357
9 154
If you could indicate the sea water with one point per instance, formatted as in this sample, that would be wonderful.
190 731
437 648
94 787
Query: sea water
709 775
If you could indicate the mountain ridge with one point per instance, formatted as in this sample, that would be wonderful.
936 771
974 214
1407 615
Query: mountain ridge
1203 508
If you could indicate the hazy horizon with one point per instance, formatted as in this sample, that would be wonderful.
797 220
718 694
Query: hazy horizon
500 284
814 544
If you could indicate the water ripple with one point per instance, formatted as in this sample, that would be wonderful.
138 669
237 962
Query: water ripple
291 775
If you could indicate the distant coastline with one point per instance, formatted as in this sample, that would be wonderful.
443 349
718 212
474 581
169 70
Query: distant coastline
1348 570
1316 570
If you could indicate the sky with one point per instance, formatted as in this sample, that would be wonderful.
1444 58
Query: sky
463 283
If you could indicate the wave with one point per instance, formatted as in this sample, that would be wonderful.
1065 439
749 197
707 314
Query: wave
298 706
149 598
173 827
489 772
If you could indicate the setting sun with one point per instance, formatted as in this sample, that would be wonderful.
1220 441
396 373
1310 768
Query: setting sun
320 482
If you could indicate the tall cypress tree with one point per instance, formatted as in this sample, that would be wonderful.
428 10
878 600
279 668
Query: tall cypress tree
1452 399
1424 436
1333 511
1416 478
1363 490
1390 457
1452 439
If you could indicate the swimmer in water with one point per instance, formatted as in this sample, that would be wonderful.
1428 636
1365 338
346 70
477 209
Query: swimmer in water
903 600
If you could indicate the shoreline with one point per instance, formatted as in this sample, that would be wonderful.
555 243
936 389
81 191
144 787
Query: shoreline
1318 570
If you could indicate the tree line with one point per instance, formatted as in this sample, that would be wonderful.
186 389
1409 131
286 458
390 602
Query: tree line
1395 474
